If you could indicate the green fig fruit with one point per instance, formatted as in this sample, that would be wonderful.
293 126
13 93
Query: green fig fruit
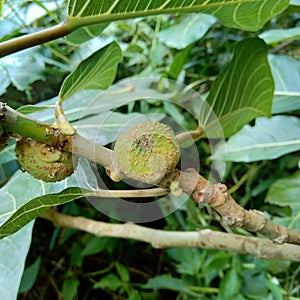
147 152
44 162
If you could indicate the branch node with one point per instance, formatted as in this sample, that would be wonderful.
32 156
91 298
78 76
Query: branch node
222 187
201 197
281 239
260 220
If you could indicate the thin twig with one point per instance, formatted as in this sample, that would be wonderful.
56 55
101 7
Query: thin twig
206 239
62 120
185 136
142 193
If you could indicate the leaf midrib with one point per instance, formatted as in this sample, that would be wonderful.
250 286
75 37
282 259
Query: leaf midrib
78 21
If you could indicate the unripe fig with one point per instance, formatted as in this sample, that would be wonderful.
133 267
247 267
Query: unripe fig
147 152
44 162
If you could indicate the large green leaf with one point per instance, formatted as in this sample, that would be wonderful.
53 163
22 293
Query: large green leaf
21 69
13 251
286 73
241 92
13 195
285 191
190 29
15 247
35 207
247 15
98 71
268 139
96 102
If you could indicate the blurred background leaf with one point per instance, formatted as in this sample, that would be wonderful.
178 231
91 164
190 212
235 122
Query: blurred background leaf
286 72
267 139
190 28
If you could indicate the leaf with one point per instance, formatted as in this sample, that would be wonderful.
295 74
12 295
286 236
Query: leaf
28 109
83 34
70 288
5 81
22 69
123 272
257 279
190 29
295 2
275 289
135 295
178 62
170 283
18 17
98 71
285 191
280 35
286 73
12 196
241 92
95 102
245 15
7 154
233 13
166 282
29 276
229 280
94 245
36 207
292 221
13 251
189 261
110 281
268 139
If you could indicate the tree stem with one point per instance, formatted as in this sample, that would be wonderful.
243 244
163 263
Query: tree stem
232 214
33 39
205 239
21 124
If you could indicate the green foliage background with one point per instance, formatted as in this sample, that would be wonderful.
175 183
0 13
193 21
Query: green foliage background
64 263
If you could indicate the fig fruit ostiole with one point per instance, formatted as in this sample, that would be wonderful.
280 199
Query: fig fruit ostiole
44 162
147 152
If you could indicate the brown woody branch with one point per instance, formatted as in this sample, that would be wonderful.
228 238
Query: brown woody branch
206 239
232 214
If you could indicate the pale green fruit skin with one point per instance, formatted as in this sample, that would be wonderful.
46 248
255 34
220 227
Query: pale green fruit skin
44 162
147 152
